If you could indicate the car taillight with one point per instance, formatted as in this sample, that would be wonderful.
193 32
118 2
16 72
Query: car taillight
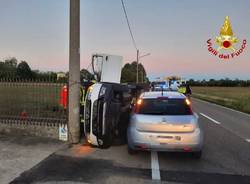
187 149
141 146
137 105
139 102
188 103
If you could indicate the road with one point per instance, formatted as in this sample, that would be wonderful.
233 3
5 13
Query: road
19 153
226 158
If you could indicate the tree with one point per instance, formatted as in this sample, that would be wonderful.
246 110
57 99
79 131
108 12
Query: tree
8 68
142 75
46 76
129 73
2 74
11 63
24 71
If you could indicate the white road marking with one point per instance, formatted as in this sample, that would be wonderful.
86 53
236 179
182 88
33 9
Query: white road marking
155 166
217 122
223 107
211 119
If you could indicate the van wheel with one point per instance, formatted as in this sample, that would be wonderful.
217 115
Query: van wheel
131 151
197 154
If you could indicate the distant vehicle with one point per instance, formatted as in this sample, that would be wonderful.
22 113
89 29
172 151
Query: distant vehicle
164 121
159 86
174 85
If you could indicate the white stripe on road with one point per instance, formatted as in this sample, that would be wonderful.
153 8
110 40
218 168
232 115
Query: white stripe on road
155 166
217 122
211 119
223 107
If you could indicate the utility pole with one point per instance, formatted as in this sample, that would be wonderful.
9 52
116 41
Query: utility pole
137 66
74 73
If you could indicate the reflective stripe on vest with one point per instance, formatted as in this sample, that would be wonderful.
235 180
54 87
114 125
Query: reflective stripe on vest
82 94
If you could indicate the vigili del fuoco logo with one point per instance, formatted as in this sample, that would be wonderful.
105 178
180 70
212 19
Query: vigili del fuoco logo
226 43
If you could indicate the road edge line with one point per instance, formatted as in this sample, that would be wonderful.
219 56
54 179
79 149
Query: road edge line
248 140
217 122
221 106
211 119
155 166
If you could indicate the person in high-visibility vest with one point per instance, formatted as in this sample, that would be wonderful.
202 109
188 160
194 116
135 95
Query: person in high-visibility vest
64 99
64 95
182 89
185 89
188 90
82 103
83 91
82 95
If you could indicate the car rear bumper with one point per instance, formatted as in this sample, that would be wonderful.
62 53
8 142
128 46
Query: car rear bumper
180 142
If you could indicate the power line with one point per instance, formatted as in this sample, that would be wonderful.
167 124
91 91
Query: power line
131 33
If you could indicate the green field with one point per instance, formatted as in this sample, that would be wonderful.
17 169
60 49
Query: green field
233 97
39 100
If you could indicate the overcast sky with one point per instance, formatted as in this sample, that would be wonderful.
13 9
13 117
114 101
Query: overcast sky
174 32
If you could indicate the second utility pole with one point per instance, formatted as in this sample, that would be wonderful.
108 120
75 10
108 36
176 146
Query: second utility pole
137 66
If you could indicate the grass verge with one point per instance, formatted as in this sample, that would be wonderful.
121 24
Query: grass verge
237 98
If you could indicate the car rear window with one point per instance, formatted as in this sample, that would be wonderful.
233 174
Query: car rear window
164 107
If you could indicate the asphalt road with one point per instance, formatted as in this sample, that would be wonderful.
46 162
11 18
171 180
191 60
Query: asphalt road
226 158
19 153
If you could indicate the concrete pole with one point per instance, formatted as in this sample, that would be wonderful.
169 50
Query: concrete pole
137 66
74 73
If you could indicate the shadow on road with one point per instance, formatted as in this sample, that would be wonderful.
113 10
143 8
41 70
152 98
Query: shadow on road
75 169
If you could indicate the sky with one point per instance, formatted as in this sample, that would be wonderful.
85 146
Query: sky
174 32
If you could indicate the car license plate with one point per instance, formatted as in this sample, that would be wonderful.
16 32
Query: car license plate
165 139
168 139
178 138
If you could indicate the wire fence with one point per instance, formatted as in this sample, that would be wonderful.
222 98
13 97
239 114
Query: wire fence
31 100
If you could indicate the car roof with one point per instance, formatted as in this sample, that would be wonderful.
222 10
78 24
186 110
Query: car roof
168 94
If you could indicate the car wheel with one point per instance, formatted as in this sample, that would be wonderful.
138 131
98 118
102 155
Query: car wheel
197 154
131 151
